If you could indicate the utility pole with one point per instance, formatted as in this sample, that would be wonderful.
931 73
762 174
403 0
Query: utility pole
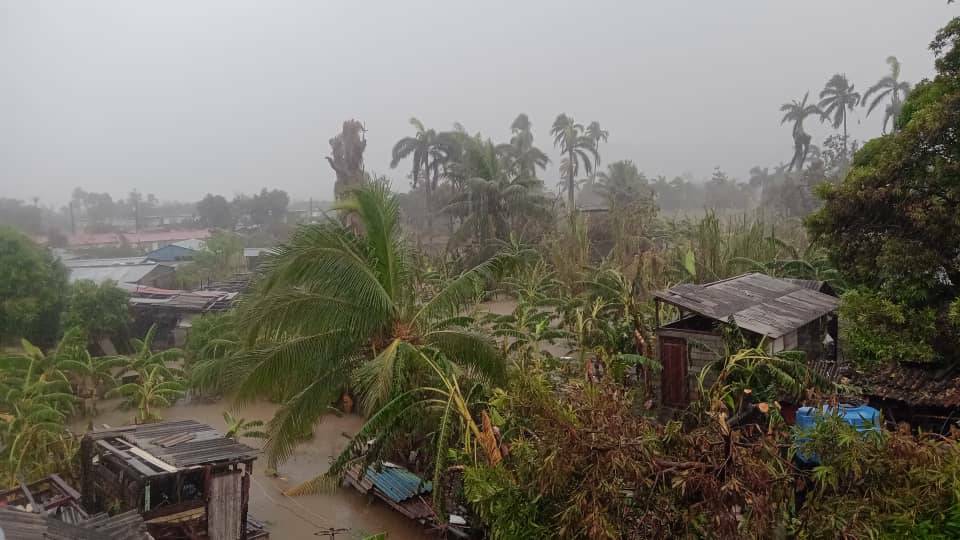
331 532
73 224
310 212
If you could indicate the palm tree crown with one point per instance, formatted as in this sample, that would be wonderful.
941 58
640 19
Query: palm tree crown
520 153
580 151
797 111
836 98
497 196
888 87
338 311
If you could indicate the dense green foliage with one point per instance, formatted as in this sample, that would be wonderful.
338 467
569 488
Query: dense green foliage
901 202
32 285
98 310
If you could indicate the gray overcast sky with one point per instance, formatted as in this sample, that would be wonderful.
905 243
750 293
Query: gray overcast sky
180 98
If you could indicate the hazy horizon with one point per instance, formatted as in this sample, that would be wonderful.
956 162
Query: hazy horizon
179 99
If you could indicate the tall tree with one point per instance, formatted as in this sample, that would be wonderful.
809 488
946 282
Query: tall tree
893 223
346 157
269 207
520 151
214 212
836 98
427 150
598 134
796 112
340 310
888 87
623 183
100 310
32 289
496 195
580 151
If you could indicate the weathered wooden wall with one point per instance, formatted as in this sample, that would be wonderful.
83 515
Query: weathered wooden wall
702 349
224 509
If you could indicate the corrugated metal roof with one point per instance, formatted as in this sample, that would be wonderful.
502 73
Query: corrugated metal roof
756 302
195 244
178 443
170 253
20 525
396 482
256 252
120 274
114 261
916 385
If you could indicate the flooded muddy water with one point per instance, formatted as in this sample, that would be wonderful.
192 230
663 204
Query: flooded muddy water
291 517
304 516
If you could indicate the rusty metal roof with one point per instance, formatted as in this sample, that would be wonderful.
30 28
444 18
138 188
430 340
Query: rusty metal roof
175 444
756 302
918 385
22 525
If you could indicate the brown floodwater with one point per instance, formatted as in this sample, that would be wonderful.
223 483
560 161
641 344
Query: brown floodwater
304 516
291 517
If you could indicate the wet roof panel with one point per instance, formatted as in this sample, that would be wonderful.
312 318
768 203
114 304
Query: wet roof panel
755 302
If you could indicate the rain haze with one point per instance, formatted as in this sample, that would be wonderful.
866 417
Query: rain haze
183 98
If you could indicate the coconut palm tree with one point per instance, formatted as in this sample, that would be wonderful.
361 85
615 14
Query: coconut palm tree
241 427
580 151
796 112
520 152
836 98
888 87
157 387
417 147
428 151
622 183
598 135
337 312
495 196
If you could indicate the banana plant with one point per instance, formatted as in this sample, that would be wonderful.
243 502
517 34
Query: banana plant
241 427
157 387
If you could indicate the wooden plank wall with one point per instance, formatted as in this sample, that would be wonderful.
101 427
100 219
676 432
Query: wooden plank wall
702 348
224 512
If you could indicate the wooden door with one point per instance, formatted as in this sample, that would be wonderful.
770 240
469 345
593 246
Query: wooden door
674 388
224 512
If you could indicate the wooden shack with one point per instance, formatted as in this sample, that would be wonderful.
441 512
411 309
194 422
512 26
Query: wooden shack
784 314
924 395
186 479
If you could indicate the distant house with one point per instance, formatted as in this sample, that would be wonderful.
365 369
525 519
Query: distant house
128 272
184 250
147 239
156 239
783 314
590 200
253 257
